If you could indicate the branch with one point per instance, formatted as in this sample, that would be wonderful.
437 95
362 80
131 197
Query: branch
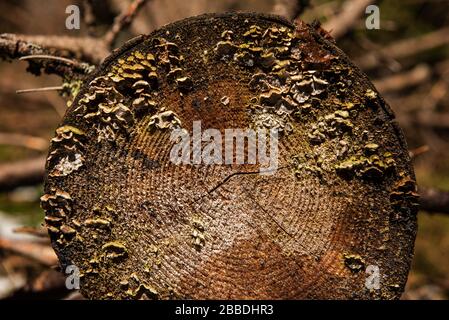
405 48
88 49
414 153
290 9
342 23
407 79
122 21
42 253
434 201
20 173
85 48
22 140
19 46
39 232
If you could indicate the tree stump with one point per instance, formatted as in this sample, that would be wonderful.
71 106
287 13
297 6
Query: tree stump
338 214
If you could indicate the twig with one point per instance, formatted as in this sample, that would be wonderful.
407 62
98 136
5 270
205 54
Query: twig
123 20
46 56
433 200
339 25
22 140
44 89
418 151
22 173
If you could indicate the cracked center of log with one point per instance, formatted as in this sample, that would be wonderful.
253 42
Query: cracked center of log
139 226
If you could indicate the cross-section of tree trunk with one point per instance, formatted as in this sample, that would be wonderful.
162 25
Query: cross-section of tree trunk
336 220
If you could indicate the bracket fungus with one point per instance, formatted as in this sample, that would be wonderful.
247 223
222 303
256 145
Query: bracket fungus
343 197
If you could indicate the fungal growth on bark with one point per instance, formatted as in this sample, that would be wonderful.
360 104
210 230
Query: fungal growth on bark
138 226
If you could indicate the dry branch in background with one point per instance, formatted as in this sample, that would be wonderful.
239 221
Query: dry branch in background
39 232
22 140
18 46
434 200
42 253
405 48
290 9
20 173
418 151
122 21
400 81
89 50
343 22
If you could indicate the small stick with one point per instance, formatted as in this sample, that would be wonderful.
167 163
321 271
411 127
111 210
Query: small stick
123 20
50 57
39 89
418 151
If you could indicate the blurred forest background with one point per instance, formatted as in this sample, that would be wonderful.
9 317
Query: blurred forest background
407 58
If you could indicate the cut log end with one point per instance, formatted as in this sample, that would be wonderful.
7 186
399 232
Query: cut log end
336 220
